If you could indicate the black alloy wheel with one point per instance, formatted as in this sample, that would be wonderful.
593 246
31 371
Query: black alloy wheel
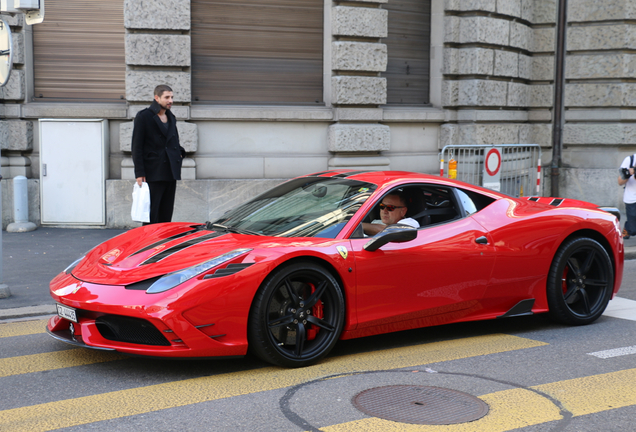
580 282
297 315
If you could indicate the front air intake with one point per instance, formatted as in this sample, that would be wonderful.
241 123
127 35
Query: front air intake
131 330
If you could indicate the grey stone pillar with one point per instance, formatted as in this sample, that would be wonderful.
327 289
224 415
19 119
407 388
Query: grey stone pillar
357 138
157 54
16 137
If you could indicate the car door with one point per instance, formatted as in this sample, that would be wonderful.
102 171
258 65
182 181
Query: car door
436 278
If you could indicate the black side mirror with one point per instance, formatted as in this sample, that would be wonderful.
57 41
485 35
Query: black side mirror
392 234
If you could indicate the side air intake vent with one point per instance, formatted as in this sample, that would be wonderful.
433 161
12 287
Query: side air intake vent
143 285
556 202
227 271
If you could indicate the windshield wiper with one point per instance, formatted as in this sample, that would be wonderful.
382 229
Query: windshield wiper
212 226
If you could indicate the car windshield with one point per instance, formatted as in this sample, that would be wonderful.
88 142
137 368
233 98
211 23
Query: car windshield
304 207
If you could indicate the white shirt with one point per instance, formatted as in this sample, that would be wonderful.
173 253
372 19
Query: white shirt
629 196
409 221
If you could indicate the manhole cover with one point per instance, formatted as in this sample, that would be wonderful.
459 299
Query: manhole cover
420 405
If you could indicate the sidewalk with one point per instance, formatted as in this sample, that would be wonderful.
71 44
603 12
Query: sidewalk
31 260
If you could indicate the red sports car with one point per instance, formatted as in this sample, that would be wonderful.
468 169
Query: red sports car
294 270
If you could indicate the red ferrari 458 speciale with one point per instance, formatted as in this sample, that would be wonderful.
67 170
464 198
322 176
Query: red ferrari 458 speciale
294 270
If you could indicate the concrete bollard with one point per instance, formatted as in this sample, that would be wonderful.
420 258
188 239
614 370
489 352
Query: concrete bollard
20 207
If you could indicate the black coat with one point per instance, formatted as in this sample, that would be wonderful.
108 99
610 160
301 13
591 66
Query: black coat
156 151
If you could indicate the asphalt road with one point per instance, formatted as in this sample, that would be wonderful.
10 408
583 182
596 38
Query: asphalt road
533 375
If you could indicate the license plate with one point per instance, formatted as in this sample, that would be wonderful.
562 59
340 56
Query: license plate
67 313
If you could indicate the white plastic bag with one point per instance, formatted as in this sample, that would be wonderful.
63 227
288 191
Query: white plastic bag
140 211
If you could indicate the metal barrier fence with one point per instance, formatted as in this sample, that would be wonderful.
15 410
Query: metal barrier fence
514 169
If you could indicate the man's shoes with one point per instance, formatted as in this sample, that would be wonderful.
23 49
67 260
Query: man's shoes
625 234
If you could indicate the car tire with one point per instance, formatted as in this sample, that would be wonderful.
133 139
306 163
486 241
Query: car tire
580 282
297 315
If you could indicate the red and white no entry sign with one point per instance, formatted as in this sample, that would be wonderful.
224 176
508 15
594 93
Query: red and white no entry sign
493 162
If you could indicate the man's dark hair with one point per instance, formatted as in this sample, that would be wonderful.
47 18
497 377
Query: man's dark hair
160 89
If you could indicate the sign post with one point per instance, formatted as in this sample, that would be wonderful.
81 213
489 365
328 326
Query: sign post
492 169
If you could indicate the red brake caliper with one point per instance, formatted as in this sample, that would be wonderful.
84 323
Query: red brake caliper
318 313
564 281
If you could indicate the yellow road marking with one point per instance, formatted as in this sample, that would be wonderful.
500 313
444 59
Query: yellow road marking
54 360
106 406
22 328
518 408
610 390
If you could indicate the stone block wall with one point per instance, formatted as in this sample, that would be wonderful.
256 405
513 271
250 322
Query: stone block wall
490 71
499 75
357 139
156 55
599 98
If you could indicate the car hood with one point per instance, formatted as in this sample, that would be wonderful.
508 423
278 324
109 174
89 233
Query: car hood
155 250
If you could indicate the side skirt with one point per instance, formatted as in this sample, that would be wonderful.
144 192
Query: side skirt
523 308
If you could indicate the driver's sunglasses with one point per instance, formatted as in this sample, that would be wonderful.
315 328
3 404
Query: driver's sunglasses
389 207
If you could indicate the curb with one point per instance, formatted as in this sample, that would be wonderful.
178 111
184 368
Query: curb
29 311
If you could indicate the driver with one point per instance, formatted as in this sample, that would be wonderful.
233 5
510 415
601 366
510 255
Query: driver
392 211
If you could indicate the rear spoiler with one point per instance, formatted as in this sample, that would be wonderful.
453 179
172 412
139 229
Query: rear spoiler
612 210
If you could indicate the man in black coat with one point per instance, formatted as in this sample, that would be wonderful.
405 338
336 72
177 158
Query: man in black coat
157 154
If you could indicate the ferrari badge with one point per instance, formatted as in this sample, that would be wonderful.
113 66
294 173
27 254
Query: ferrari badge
343 251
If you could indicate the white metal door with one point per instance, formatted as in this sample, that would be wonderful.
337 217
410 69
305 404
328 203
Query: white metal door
73 155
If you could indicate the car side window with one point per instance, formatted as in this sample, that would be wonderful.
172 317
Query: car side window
428 204
467 203
472 201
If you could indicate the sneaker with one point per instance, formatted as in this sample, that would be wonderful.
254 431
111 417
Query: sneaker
625 235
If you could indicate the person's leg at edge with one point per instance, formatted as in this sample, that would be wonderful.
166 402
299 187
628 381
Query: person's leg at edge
166 207
630 223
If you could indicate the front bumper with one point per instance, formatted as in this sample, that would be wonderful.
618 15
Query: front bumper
113 318
69 337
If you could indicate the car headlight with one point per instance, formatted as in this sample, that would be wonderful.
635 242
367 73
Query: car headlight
171 280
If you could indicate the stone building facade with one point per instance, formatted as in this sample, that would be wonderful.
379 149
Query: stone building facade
490 81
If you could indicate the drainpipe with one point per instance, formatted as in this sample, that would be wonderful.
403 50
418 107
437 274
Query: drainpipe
559 90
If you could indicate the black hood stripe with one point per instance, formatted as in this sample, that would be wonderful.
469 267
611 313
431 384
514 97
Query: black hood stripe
164 241
177 248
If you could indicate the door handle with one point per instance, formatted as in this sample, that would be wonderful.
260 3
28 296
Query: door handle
481 240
